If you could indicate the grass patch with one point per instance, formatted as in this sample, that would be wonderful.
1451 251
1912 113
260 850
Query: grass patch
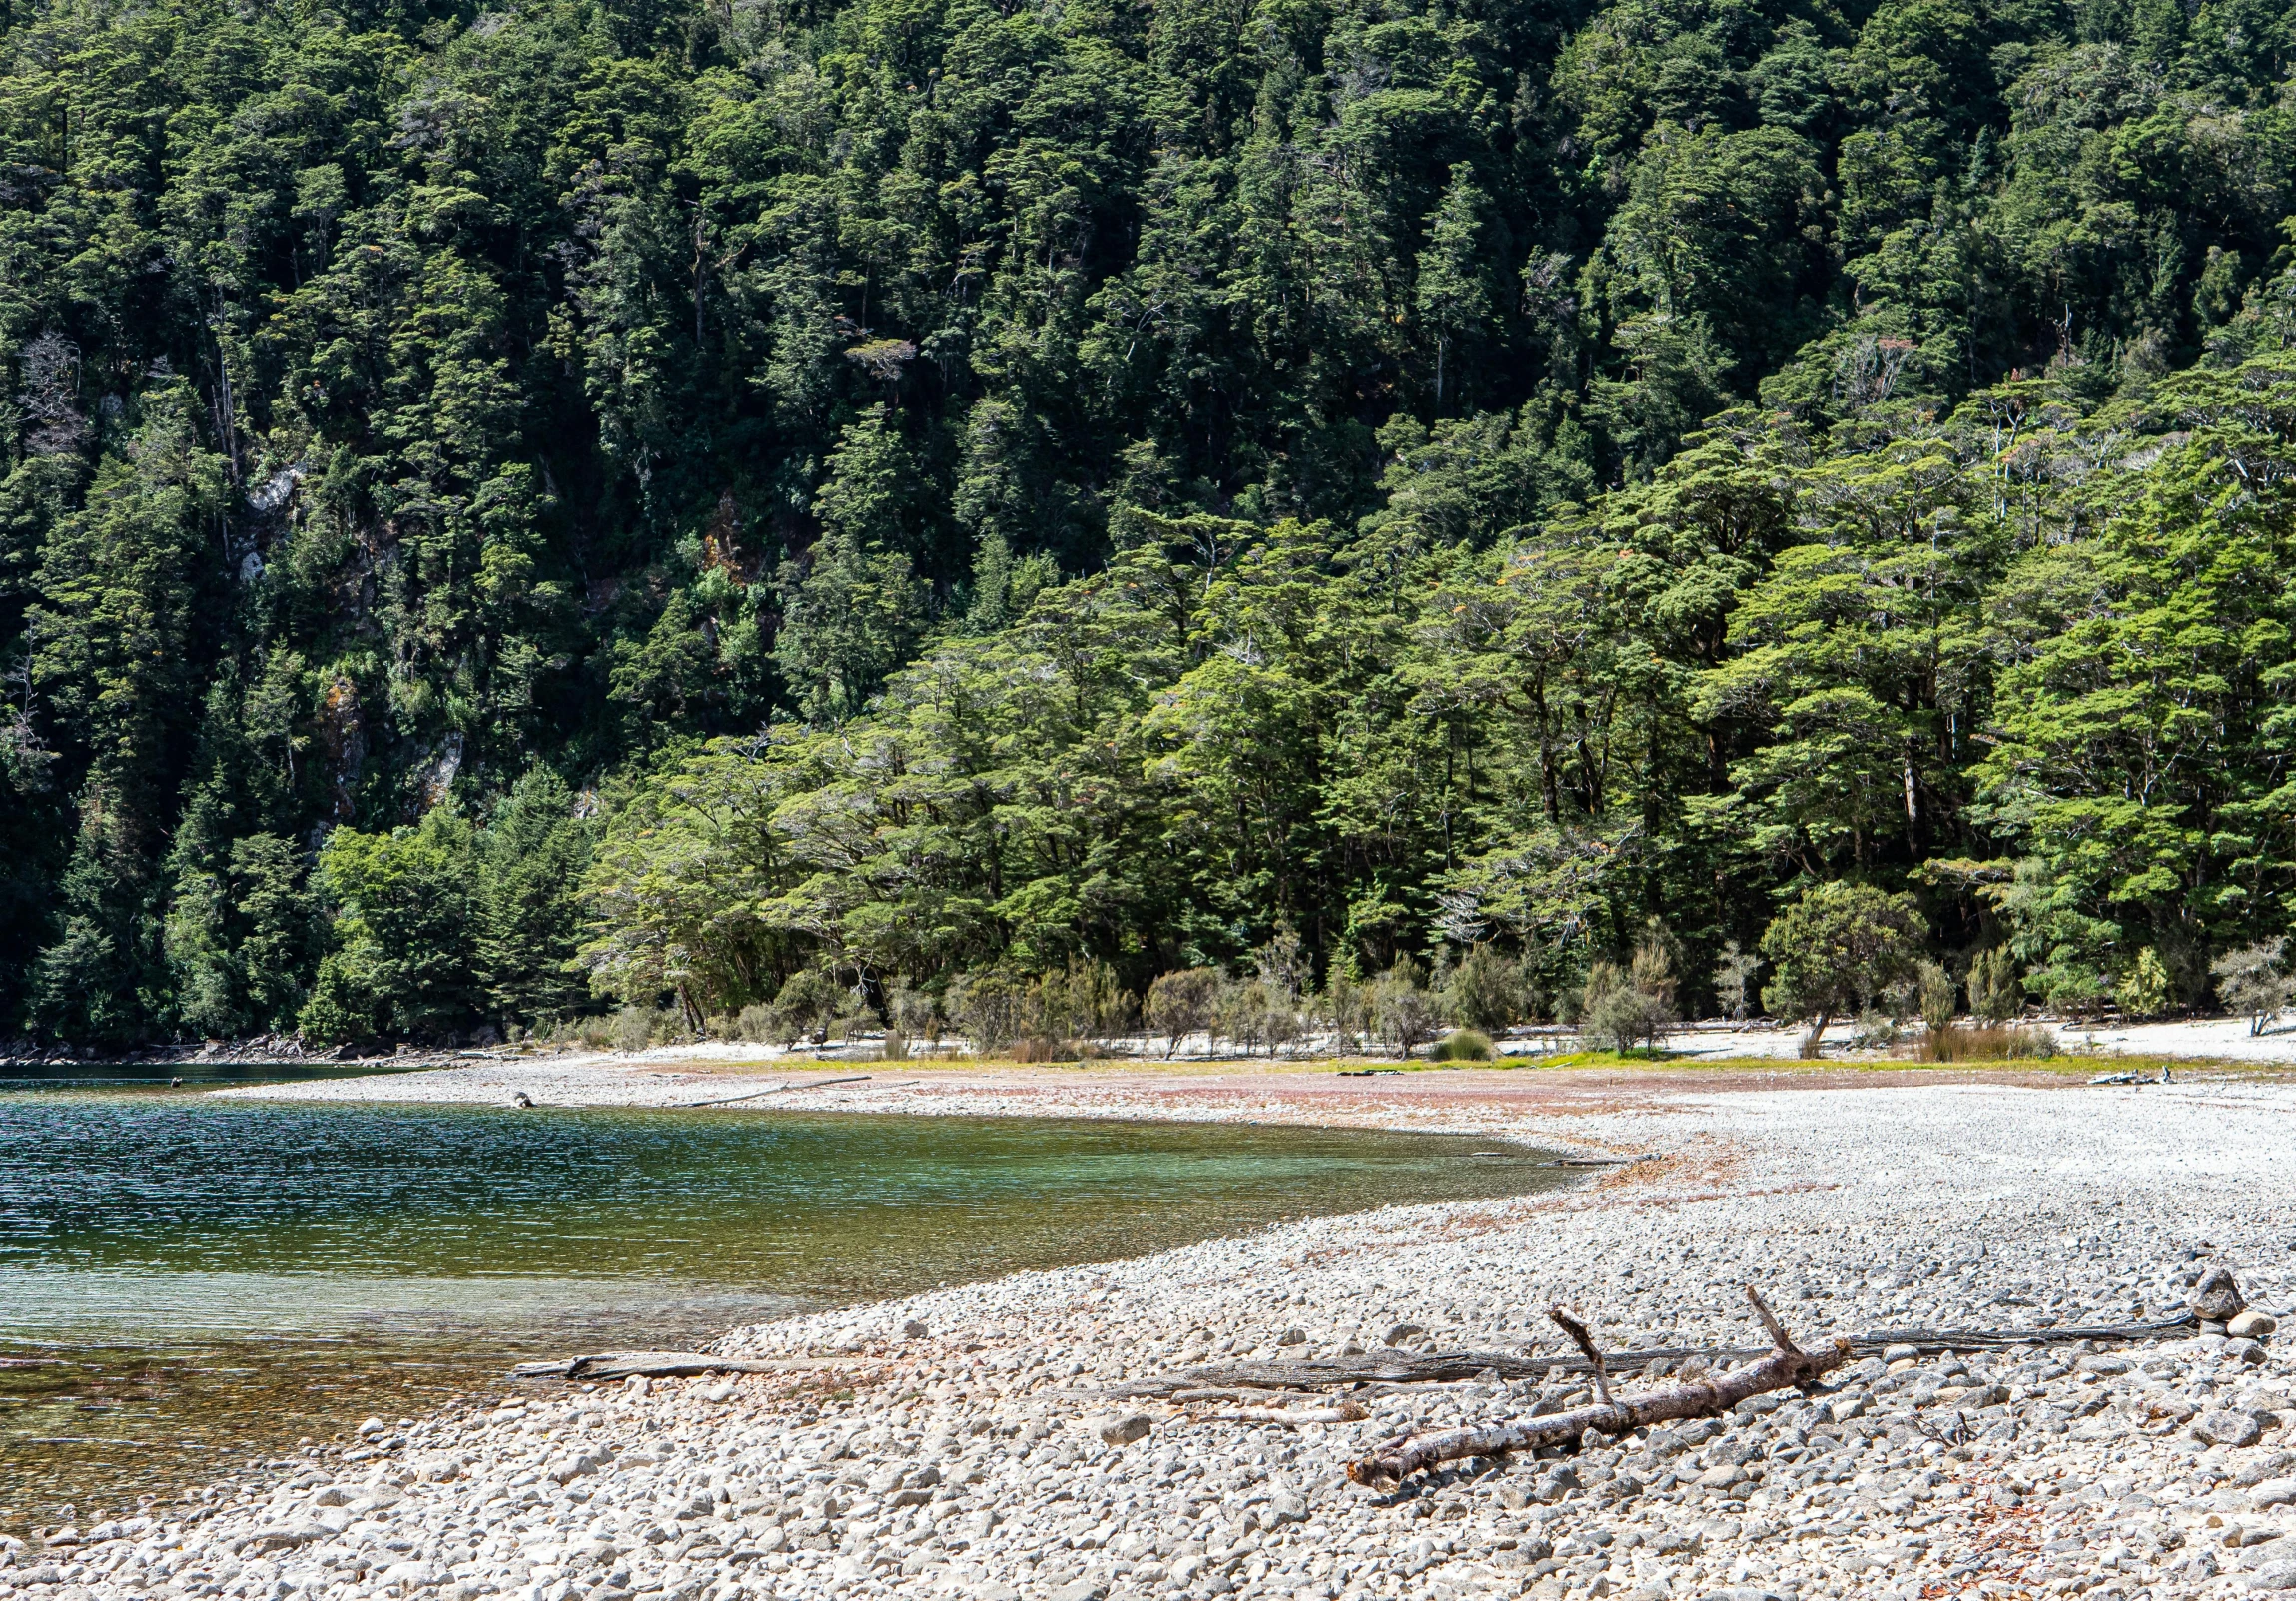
1463 1045
1989 1042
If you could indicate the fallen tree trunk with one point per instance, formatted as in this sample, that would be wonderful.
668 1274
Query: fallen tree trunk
1440 1367
609 1366
1390 1463
778 1089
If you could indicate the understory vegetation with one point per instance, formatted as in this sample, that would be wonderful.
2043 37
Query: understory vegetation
1019 520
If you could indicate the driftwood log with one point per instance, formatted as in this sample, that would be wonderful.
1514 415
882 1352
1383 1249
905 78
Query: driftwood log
1786 1365
610 1365
1446 1367
777 1089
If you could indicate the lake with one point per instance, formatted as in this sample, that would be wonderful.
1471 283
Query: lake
188 1283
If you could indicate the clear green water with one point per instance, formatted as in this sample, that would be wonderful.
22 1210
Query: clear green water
191 1282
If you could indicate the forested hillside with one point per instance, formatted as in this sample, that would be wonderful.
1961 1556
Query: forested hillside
510 511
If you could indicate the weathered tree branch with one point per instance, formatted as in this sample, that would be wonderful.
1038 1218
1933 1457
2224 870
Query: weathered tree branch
1398 1459
1586 1344
1441 1367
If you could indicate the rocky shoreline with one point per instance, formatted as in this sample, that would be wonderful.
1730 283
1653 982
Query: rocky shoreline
966 1443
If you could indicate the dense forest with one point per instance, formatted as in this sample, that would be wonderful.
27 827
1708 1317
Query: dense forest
905 503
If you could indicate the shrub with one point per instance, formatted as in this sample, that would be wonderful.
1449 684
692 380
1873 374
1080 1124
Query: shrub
1240 1012
1181 1004
758 1023
1487 990
2250 981
806 1003
1345 1009
1618 1015
1463 1045
1623 1008
1989 1042
1734 987
997 1007
1084 1000
914 1014
2146 990
1402 1008
1873 1030
635 1026
1996 995
2075 989
589 1030
1937 994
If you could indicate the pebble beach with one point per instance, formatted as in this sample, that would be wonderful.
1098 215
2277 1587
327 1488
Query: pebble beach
977 1441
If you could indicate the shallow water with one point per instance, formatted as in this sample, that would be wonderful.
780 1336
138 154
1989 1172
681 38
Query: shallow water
189 1282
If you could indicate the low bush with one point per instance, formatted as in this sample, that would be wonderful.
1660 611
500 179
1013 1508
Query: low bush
635 1028
1987 1042
1464 1045
590 1031
1039 1049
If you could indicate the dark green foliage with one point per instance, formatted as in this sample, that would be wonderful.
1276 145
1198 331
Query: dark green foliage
1835 948
398 400
443 927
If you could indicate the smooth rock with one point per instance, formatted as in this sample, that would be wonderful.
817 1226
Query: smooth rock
2217 1298
1124 1430
2223 1426
280 1539
2252 1324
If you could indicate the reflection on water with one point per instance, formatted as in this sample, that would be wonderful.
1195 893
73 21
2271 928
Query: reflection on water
188 1280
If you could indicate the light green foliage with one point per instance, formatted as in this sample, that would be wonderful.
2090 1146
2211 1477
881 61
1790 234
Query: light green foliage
404 960
1996 994
1937 994
2145 991
808 1001
1463 1045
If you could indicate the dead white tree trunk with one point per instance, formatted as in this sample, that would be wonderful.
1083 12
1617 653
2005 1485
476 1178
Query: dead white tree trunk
1390 1463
